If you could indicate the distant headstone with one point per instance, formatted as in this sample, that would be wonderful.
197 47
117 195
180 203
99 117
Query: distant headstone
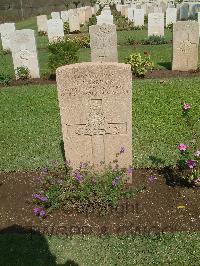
103 43
42 23
138 17
64 16
6 31
81 15
55 15
199 21
184 11
104 19
185 45
171 15
95 102
55 30
157 9
74 24
130 14
24 52
156 24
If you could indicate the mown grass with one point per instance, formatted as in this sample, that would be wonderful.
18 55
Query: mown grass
31 134
166 249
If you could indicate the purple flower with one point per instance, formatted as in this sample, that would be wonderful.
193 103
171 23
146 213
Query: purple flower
36 210
182 147
78 176
152 178
122 150
115 181
197 154
191 164
130 170
42 198
42 213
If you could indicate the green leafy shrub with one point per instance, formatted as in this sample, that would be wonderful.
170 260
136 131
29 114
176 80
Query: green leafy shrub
92 21
42 33
85 189
66 28
154 40
170 26
22 73
139 65
62 53
138 27
82 41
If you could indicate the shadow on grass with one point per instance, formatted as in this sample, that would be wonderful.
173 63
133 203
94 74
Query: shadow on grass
172 175
167 65
25 247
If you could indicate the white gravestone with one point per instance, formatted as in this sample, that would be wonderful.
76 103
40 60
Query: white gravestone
42 23
64 16
171 16
156 24
74 24
55 15
24 51
55 30
138 17
7 30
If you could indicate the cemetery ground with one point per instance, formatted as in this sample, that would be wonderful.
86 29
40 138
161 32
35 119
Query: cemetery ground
131 235
31 140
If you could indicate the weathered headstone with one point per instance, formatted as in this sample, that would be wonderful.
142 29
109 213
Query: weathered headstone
199 21
55 15
95 102
64 16
184 11
24 52
55 30
81 15
171 16
185 45
138 17
42 23
157 9
104 19
103 43
74 24
130 14
6 31
156 24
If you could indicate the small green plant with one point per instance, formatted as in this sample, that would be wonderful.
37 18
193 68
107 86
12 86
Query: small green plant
42 33
92 21
82 41
62 53
84 189
154 40
66 28
170 26
22 73
132 40
139 65
138 27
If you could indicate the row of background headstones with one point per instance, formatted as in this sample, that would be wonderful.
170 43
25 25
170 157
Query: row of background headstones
22 43
28 55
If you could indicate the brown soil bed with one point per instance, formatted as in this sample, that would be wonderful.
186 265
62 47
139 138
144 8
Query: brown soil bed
163 206
155 74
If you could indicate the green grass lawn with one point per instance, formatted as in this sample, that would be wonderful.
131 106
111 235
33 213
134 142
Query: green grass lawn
169 249
31 133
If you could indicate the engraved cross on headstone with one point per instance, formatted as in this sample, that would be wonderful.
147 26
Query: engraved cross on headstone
187 47
97 127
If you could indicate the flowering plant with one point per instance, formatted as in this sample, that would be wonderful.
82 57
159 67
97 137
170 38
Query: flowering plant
190 154
84 189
